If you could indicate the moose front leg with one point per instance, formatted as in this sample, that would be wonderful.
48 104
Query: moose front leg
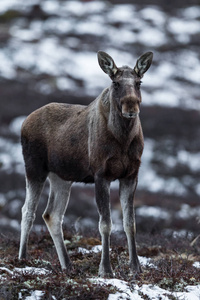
127 191
102 191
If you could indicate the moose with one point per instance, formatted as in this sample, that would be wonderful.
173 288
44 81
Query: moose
98 143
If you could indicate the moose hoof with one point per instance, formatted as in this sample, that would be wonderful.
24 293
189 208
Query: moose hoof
105 272
68 269
135 270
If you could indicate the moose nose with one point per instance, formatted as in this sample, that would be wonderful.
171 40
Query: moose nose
133 114
130 115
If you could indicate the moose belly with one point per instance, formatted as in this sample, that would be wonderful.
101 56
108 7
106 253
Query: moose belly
74 170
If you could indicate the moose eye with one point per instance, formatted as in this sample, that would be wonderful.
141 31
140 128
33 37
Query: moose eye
138 84
116 85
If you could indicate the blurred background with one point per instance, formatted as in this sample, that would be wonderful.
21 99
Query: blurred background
48 53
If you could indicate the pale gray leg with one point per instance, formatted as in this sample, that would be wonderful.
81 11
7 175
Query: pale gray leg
54 213
127 191
33 191
102 190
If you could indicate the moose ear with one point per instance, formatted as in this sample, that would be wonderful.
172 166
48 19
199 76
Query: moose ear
107 64
143 63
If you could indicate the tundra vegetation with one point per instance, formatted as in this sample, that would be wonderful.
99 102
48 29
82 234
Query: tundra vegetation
171 267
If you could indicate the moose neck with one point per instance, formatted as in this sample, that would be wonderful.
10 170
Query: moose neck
123 129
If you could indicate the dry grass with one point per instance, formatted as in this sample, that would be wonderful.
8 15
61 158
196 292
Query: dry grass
173 267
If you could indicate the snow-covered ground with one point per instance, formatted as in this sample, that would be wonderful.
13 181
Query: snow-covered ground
149 26
151 291
126 290
127 293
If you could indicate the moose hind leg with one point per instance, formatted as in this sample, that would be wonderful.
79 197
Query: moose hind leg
54 213
33 191
127 191
102 189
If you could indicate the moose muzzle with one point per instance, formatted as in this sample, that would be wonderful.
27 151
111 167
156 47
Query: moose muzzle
130 107
130 115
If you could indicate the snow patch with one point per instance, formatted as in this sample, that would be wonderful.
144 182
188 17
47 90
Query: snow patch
31 271
35 295
154 14
151 291
196 264
154 212
16 124
11 156
26 270
187 212
95 249
124 12
2 200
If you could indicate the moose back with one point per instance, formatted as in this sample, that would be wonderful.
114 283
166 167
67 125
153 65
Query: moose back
98 143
